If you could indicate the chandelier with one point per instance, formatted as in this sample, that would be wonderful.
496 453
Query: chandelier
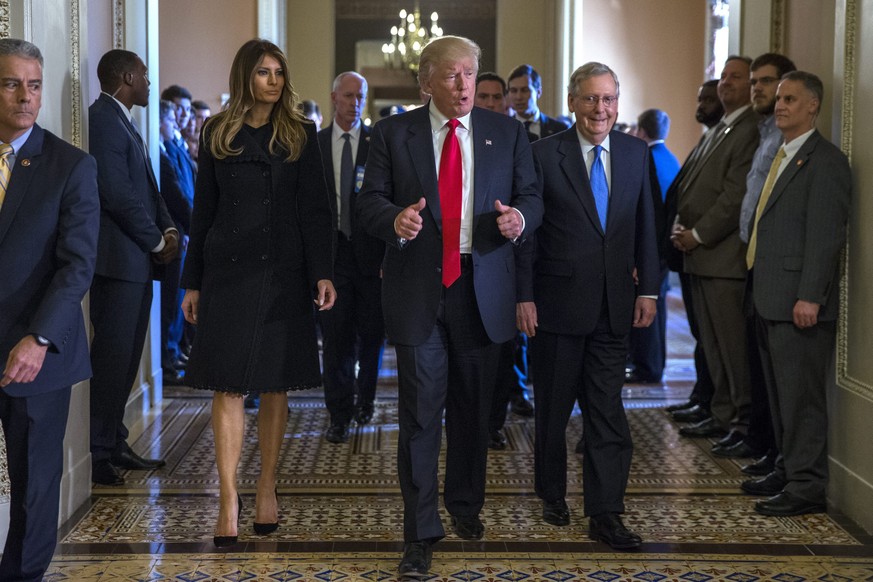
408 39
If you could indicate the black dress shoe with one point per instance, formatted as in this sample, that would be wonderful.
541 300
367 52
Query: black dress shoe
761 467
173 377
104 473
225 541
694 414
732 438
365 413
265 529
609 529
556 512
251 402
740 450
127 459
708 428
520 405
786 504
468 527
415 562
337 433
496 440
635 377
681 406
772 484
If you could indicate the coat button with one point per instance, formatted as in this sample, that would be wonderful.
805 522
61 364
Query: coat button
263 257
266 229
266 173
233 174
236 202
235 230
233 259
266 201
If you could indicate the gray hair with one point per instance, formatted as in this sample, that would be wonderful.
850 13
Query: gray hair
341 76
810 82
587 71
446 49
15 47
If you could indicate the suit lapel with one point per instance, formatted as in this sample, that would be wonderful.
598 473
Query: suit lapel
135 137
324 138
800 159
718 140
420 147
576 173
485 151
27 162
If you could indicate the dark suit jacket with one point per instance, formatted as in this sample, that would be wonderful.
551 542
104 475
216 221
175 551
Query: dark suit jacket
801 232
573 262
48 244
712 196
133 216
184 167
400 170
676 258
550 125
368 249
178 203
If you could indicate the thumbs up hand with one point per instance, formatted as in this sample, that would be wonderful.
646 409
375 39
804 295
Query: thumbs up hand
508 221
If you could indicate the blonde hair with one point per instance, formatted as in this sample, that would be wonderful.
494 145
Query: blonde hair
287 119
445 49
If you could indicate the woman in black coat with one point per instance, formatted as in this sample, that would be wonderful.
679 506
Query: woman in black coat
259 254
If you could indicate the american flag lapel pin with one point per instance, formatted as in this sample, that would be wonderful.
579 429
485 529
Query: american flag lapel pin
487 142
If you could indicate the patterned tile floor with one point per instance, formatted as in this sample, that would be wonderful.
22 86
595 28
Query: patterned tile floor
341 509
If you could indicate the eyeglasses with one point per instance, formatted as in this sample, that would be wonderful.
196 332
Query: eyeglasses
592 100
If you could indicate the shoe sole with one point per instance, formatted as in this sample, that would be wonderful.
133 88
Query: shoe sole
802 511
599 538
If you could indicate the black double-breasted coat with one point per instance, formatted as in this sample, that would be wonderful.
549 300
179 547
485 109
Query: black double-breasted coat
261 238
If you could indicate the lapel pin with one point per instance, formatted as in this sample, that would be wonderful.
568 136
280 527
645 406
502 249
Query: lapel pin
25 162
799 163
487 142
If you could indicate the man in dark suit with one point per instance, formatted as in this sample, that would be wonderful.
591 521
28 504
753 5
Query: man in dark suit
696 409
449 187
707 232
49 215
797 233
648 345
354 330
525 88
136 231
578 299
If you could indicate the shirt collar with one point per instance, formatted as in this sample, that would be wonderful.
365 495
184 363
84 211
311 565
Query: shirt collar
729 120
795 144
124 108
438 120
587 146
19 141
354 131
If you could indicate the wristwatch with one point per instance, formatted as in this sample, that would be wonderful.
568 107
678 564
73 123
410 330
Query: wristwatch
44 342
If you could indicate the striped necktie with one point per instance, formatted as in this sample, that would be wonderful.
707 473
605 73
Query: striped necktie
5 169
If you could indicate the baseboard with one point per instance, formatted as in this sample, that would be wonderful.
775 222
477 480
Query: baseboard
851 495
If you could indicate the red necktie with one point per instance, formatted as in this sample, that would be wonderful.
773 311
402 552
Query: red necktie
451 186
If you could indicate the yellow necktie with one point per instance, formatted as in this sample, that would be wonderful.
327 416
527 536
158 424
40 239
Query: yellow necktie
762 203
5 170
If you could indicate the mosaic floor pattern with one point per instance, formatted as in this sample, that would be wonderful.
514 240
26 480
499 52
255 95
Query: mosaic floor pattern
340 508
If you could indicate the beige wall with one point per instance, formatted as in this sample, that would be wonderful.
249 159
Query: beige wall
657 51
198 39
310 50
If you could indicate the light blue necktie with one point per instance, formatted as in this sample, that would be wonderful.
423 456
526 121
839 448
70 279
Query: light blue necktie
599 187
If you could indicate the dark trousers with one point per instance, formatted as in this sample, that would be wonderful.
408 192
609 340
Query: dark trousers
760 436
589 368
453 370
796 363
120 316
648 345
703 387
172 320
34 428
507 383
354 333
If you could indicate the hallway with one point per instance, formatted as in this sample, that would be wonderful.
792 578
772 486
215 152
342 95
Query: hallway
340 507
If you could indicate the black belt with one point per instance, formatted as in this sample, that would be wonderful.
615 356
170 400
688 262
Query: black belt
466 260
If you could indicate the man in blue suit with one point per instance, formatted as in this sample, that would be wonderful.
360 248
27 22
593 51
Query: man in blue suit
49 215
579 298
136 232
449 188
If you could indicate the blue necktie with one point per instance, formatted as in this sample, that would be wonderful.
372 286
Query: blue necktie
599 187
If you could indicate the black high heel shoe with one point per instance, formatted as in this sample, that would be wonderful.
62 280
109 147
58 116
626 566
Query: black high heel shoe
265 529
225 541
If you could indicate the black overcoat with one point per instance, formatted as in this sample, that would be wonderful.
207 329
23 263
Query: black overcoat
261 237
